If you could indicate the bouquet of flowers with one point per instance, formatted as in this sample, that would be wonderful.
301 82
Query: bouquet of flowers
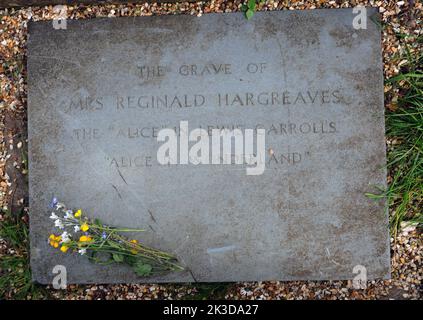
104 244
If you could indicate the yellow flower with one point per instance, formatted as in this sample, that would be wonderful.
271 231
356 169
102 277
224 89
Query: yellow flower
64 248
78 213
85 227
85 239
134 242
54 240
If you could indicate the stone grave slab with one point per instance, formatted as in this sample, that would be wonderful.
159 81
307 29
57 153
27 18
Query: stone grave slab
101 90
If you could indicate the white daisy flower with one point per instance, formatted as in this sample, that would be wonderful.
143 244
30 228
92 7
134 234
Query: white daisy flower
68 214
60 205
53 216
58 224
65 237
82 251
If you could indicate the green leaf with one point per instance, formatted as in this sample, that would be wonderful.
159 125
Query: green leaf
117 257
249 14
244 7
131 260
142 269
252 4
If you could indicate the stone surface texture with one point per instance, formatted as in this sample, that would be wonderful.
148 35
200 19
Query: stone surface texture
92 145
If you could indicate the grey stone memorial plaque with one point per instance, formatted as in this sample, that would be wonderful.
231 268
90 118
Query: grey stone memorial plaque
102 89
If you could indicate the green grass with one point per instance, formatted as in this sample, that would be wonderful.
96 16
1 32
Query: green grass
15 272
215 291
404 126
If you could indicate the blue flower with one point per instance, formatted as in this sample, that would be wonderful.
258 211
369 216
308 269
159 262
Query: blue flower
53 202
104 235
